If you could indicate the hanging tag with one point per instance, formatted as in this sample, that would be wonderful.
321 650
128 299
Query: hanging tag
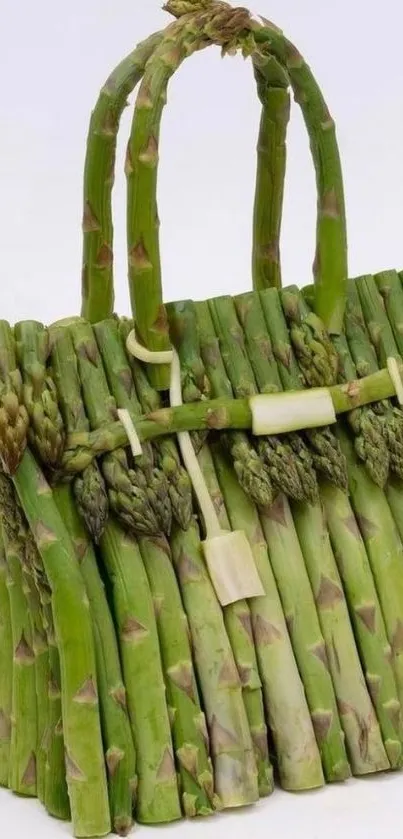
232 568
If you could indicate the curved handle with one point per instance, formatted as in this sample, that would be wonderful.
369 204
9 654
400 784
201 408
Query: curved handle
142 168
330 264
97 262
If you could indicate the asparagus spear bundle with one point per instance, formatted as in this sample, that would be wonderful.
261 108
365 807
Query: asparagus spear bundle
278 456
179 485
260 353
318 362
13 414
121 385
88 486
6 667
46 431
195 383
137 506
187 718
366 362
251 471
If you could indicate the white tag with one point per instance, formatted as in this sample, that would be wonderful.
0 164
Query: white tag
274 413
232 568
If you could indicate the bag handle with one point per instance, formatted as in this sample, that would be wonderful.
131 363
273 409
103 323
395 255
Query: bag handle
232 28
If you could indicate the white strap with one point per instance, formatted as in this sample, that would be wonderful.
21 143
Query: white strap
396 376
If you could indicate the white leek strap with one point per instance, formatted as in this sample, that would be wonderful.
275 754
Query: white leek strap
131 432
228 555
396 376
275 413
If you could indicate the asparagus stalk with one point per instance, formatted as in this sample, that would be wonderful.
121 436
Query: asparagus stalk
56 793
128 494
235 773
278 456
366 615
6 668
297 756
46 431
88 486
41 651
384 549
377 323
132 602
366 362
260 354
390 288
272 86
363 737
189 730
251 471
219 414
121 385
23 745
97 275
306 635
190 748
195 382
237 619
13 414
157 792
168 459
81 724
327 457
117 736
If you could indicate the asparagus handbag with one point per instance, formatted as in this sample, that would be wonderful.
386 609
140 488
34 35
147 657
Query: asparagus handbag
198 599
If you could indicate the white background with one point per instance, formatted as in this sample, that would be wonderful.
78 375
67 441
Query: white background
53 59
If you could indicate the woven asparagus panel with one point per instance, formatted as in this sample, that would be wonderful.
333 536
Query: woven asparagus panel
126 690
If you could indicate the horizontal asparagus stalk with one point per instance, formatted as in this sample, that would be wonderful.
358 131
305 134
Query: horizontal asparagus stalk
218 414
